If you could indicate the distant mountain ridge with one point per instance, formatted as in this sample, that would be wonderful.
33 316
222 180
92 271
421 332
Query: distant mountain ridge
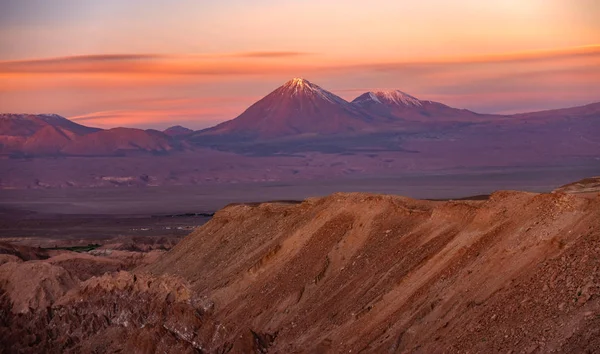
400 106
121 141
51 134
302 108
177 130
302 116
28 124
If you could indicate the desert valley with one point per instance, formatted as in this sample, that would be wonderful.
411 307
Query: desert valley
109 241
513 271
309 176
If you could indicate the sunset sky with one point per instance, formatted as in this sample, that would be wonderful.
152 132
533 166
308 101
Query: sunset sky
157 63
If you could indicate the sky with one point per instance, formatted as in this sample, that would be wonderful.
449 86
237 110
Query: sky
158 63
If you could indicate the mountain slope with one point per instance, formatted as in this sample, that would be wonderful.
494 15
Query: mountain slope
48 140
397 105
591 110
372 273
589 185
177 130
298 107
119 141
51 134
351 272
29 124
43 134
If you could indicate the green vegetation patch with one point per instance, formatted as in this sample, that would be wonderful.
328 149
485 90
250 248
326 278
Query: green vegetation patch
81 249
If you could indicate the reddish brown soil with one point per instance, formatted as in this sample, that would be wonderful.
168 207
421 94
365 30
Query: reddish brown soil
35 278
23 253
372 273
34 285
116 313
517 272
587 186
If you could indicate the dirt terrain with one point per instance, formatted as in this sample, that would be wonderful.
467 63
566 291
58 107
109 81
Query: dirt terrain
102 204
587 186
114 313
358 272
133 233
351 272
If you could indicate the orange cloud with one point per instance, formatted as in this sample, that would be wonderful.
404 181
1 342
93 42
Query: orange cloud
153 112
149 118
153 64
269 54
550 54
235 63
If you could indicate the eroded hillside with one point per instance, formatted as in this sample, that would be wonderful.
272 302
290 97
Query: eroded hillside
357 272
115 313
587 186
345 273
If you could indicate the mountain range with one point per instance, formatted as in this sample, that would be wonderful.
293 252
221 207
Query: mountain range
298 111
301 108
298 131
51 135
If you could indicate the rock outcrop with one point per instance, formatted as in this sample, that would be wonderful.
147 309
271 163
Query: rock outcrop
121 312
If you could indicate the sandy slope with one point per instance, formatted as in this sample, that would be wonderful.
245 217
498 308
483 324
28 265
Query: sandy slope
345 273
588 186
357 272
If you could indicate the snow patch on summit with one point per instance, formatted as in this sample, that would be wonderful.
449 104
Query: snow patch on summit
51 117
397 97
299 86
388 98
374 97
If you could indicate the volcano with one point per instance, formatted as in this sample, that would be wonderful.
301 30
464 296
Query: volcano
396 105
299 107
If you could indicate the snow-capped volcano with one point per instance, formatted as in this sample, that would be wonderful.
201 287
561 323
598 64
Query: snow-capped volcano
392 97
299 86
297 107
397 105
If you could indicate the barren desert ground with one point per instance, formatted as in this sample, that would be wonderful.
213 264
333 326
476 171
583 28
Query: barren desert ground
512 271
210 197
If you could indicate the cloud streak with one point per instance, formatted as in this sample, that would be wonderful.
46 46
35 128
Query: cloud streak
156 64
269 54
149 118
261 63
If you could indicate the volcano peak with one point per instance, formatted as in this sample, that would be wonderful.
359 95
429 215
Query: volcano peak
303 87
297 84
394 97
296 107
